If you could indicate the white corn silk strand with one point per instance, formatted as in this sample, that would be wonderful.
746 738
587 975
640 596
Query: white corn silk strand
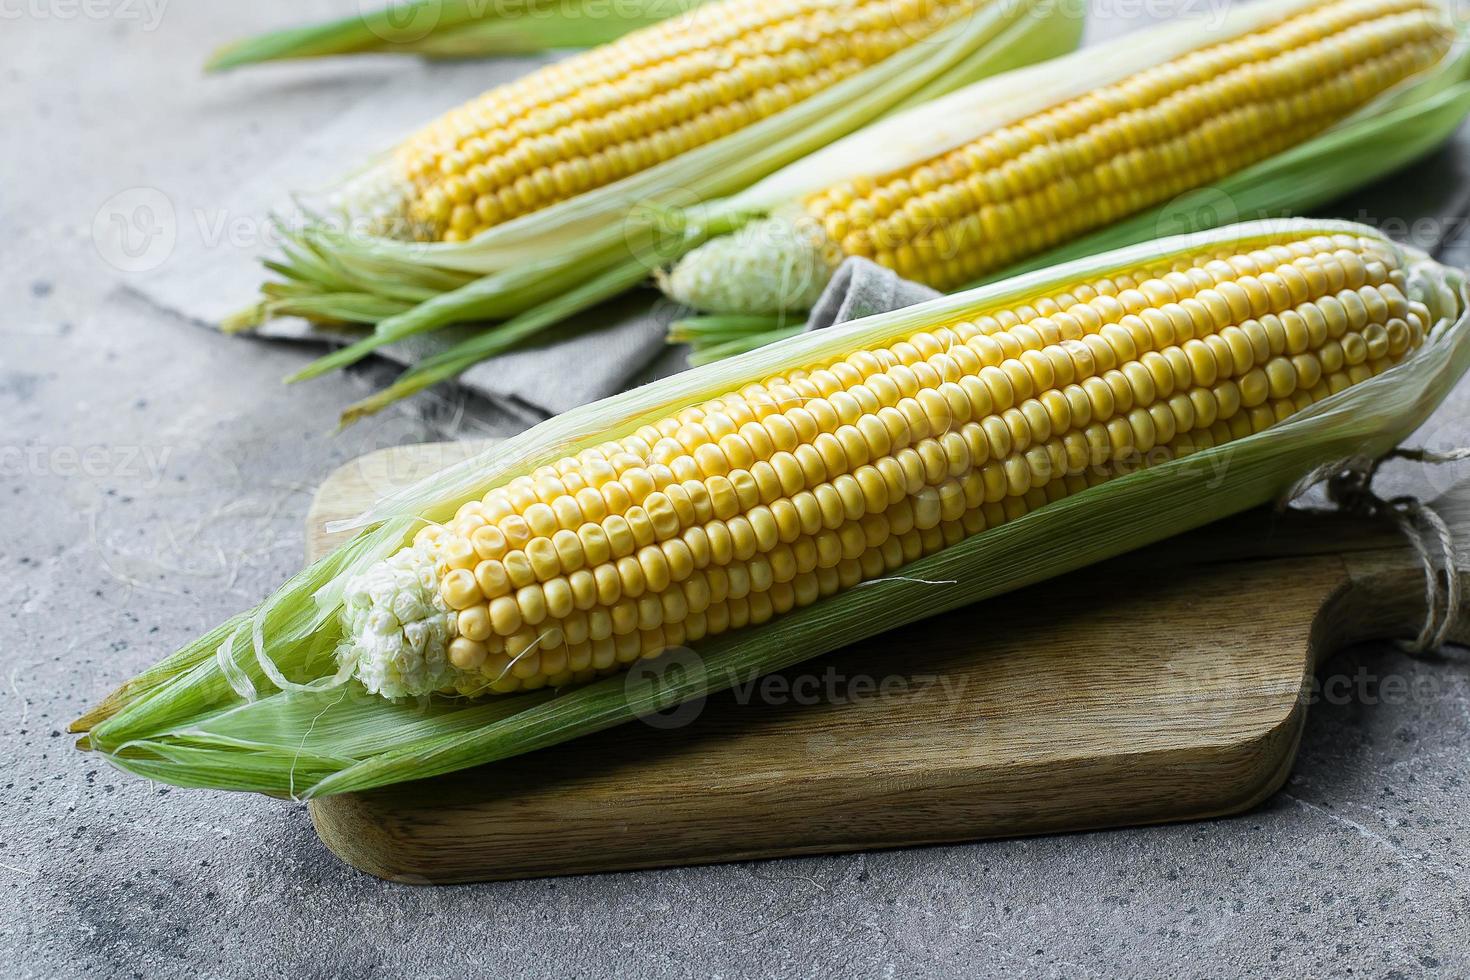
224 656
1349 486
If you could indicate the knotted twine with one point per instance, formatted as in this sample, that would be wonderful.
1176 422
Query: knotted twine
1349 487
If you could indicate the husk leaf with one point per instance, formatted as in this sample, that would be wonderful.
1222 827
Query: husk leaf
211 715
453 29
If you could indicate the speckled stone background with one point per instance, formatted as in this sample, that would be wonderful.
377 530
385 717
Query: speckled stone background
154 478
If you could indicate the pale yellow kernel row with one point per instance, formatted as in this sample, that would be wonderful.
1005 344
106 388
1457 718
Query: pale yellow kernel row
1146 139
1158 396
825 427
555 657
1139 426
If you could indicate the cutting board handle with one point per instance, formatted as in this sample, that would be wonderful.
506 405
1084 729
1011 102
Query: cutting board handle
1385 595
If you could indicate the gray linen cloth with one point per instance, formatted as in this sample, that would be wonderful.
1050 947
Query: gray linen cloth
862 288
858 288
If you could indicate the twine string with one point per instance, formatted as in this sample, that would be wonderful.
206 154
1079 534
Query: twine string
1349 487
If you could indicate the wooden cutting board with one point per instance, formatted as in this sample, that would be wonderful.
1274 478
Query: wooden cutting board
1169 684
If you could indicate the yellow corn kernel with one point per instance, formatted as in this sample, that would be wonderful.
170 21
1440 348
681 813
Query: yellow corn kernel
650 96
944 434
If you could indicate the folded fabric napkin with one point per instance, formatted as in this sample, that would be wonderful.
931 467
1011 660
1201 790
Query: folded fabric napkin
862 288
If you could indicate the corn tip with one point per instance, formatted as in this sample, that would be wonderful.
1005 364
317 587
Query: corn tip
247 319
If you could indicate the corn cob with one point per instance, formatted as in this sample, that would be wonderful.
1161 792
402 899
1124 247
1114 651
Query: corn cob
769 498
619 109
979 442
1082 164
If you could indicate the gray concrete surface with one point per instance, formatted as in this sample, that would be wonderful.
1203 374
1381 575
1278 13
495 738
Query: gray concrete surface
155 478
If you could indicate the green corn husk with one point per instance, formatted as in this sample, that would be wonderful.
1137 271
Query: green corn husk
620 232
455 29
713 338
558 27
260 704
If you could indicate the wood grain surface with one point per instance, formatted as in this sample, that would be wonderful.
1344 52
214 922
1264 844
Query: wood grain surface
1169 684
